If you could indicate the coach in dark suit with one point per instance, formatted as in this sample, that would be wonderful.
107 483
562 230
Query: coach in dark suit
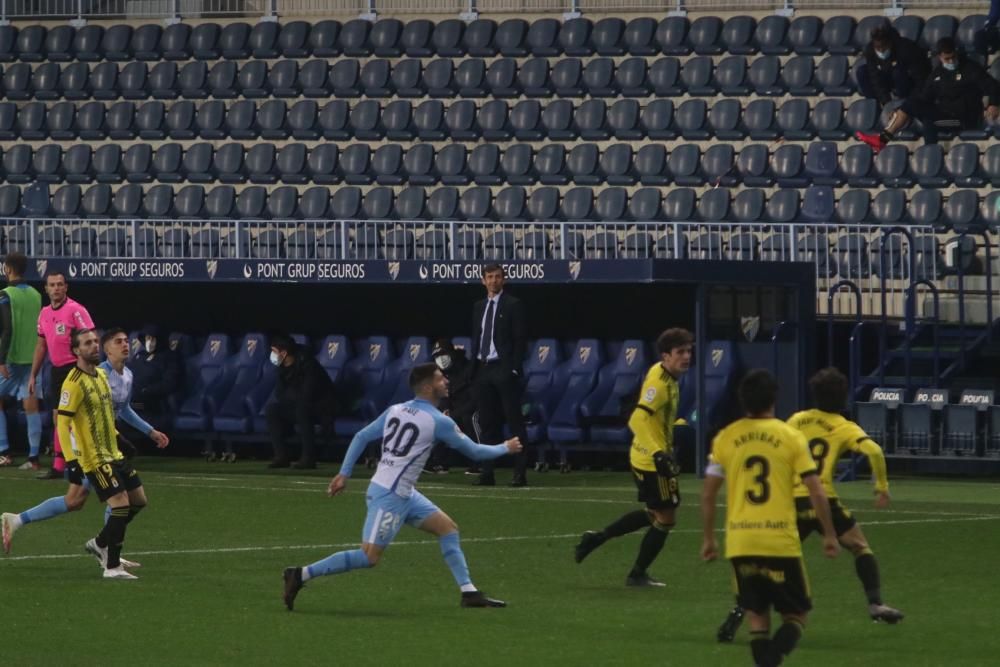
498 347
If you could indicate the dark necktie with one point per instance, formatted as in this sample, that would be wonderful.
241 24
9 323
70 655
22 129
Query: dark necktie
485 343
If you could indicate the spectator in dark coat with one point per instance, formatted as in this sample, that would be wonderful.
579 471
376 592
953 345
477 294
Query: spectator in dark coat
156 372
894 66
304 396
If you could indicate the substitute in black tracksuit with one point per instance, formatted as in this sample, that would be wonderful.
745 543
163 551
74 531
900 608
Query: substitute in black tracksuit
461 403
893 66
304 396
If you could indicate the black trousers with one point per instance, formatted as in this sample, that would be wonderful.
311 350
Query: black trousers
302 417
498 399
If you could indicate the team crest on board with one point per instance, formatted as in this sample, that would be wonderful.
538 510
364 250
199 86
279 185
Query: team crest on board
211 267
414 351
584 354
374 350
214 347
750 326
717 355
332 348
393 270
543 353
574 270
251 345
42 266
630 353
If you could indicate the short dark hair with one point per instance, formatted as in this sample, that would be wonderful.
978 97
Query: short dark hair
493 266
422 373
883 34
17 262
111 333
74 338
758 391
945 45
673 338
52 274
829 390
284 342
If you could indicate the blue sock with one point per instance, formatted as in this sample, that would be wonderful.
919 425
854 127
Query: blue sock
455 559
107 513
342 561
4 443
34 434
52 507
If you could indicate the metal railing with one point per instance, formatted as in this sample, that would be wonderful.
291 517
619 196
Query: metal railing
177 9
881 272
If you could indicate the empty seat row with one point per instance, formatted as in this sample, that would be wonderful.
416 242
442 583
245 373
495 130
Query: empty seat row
962 210
431 120
389 37
443 77
755 165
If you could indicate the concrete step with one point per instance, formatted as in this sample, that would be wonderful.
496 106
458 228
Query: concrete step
975 308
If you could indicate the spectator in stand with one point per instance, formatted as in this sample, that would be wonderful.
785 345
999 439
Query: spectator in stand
304 395
952 97
156 372
894 67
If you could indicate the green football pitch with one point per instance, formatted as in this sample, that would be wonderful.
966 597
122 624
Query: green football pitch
215 539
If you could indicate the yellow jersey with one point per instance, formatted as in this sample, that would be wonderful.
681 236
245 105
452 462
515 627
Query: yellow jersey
761 460
86 420
652 420
830 436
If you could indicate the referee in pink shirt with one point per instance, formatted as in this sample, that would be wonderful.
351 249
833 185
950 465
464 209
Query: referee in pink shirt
56 323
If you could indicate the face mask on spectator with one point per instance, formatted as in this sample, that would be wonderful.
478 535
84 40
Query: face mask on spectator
150 345
274 358
951 67
883 55
443 361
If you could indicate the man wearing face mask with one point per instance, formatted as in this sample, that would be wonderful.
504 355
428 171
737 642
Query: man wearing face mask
952 97
155 370
893 66
460 402
304 395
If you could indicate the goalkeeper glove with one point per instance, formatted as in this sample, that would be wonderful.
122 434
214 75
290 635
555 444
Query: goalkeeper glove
665 465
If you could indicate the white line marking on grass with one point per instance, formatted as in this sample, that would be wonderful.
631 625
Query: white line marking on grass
466 540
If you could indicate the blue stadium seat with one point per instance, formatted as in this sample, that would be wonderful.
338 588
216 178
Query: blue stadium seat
738 35
580 372
764 76
962 166
787 166
853 207
776 248
837 35
664 77
413 351
816 248
324 39
744 247
368 372
821 164
731 76
646 205
961 211
771 36
604 409
834 76
535 245
211 377
854 257
749 205
804 35
672 36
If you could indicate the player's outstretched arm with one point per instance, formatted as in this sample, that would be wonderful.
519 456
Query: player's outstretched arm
820 503
876 459
447 431
337 486
361 439
709 494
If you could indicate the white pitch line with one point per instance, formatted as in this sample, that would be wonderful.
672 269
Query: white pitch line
467 540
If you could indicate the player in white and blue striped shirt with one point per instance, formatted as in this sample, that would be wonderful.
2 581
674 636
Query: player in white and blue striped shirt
408 432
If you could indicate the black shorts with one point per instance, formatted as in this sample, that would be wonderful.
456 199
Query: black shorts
763 582
57 376
843 520
655 490
110 479
74 473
